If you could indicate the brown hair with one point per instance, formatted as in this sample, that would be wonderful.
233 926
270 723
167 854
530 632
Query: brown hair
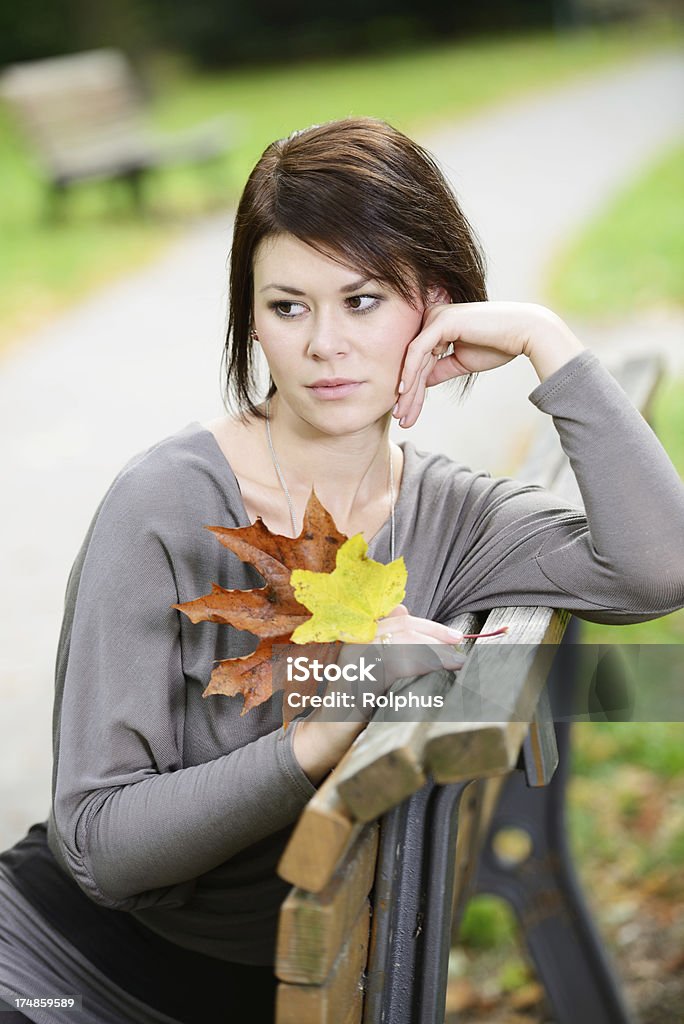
363 193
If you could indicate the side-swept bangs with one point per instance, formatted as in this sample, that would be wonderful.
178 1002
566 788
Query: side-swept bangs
364 194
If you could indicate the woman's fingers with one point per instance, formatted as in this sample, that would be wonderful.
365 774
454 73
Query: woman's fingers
417 352
419 658
403 629
447 368
484 335
413 402
421 356
400 610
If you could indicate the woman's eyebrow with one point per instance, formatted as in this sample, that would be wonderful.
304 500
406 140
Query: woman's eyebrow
354 286
282 288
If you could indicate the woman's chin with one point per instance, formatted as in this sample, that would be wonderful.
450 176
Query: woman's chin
338 422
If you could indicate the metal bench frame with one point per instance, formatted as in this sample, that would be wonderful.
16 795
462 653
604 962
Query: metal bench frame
407 973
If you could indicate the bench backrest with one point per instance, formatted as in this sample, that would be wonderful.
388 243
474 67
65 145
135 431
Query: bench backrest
66 104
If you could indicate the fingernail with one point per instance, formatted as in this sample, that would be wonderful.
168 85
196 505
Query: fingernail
395 409
402 421
400 389
456 635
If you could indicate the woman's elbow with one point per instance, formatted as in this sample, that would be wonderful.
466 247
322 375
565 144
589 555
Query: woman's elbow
657 590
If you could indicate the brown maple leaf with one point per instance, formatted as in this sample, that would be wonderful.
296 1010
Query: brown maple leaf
271 612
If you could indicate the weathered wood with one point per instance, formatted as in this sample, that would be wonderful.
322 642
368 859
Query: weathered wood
468 837
539 751
313 928
355 1012
487 713
336 999
386 764
321 838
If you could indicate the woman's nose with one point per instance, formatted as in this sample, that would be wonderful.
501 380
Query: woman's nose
328 338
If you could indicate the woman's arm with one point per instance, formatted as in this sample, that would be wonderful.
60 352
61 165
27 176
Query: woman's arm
136 817
482 336
619 560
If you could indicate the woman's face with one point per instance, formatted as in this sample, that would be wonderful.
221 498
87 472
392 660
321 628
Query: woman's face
317 321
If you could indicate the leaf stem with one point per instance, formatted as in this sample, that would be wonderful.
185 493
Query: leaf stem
478 636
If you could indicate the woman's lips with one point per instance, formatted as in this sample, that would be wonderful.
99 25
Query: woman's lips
336 391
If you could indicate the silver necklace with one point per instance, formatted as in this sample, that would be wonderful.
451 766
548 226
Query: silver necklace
276 466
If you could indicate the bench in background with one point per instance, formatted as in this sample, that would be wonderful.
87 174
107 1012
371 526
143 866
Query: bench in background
84 118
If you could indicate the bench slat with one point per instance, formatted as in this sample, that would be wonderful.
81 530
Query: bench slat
339 999
321 838
313 928
539 752
457 747
386 764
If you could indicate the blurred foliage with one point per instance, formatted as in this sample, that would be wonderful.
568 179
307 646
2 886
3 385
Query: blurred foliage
602 746
626 809
488 922
221 33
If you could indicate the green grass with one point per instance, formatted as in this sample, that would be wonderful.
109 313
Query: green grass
632 256
601 747
43 267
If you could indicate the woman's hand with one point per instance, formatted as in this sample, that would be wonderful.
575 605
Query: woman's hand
482 335
318 743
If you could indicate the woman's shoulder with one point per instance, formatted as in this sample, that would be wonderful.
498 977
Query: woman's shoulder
182 471
435 469
441 495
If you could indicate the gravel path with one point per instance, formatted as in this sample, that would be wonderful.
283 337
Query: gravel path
141 359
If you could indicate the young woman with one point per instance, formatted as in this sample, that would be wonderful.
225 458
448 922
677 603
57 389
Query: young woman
151 889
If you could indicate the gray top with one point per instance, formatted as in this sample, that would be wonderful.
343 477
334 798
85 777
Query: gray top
177 808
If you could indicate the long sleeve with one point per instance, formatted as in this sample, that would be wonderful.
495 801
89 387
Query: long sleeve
134 822
632 494
618 560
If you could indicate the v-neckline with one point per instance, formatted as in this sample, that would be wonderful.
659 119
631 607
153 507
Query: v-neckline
406 448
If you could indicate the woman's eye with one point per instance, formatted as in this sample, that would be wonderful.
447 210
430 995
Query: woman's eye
287 309
363 303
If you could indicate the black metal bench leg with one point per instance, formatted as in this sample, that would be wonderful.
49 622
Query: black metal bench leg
545 894
434 929
408 962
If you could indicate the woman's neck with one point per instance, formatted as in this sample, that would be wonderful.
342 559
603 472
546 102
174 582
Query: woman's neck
350 472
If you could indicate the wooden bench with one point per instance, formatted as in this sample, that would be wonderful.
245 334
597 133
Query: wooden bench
397 839
84 118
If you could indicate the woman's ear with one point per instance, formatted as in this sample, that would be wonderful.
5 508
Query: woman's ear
437 294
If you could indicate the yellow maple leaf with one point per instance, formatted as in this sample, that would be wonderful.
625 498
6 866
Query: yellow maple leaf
347 602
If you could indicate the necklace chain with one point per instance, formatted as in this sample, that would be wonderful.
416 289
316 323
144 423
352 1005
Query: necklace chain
281 478
278 470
